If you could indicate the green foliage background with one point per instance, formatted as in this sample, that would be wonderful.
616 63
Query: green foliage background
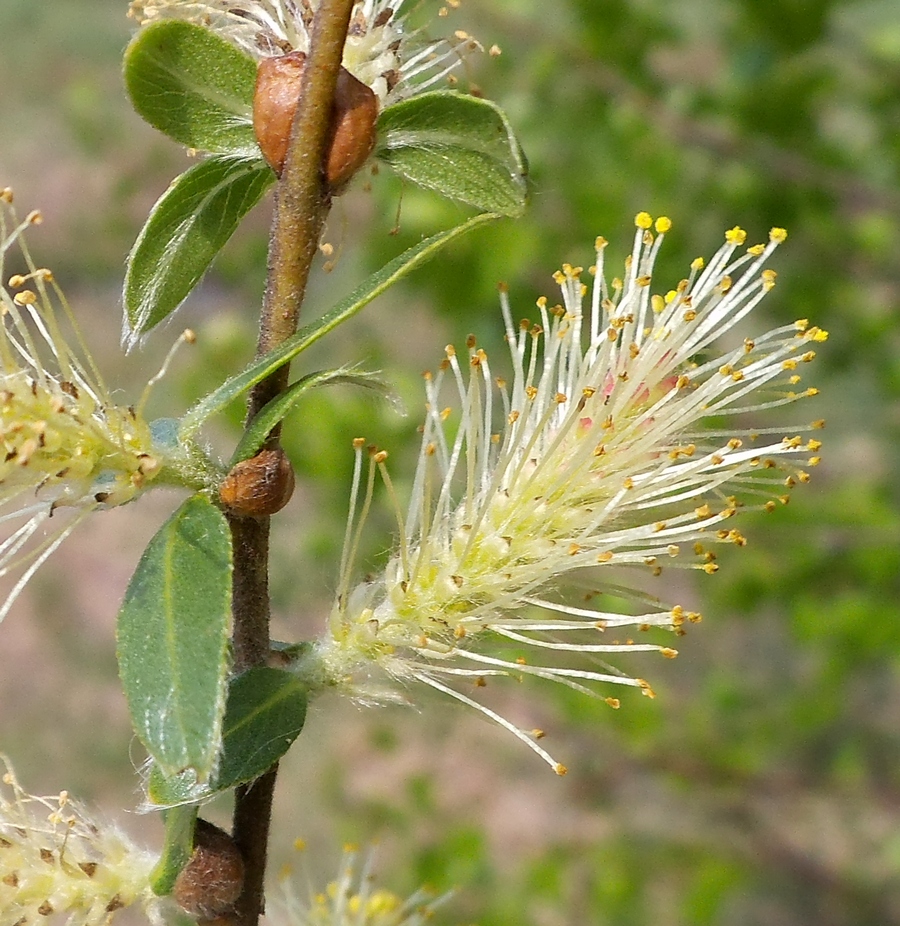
762 786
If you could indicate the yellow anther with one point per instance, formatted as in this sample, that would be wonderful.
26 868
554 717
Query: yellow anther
663 224
736 236
643 220
778 235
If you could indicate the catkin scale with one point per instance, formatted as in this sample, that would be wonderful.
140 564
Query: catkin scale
278 83
260 486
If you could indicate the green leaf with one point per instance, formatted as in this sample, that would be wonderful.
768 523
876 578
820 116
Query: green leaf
177 850
457 145
172 639
190 223
265 714
257 430
174 790
193 86
374 286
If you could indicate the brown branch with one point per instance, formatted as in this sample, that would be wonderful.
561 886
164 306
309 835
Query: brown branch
302 202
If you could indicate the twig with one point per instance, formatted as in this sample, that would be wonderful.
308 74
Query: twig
301 207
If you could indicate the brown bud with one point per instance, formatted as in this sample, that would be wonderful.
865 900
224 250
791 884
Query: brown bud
259 486
213 879
278 83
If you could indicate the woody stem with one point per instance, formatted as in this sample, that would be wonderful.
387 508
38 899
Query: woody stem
302 202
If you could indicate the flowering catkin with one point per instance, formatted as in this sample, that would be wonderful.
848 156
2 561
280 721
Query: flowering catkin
352 899
64 443
54 859
610 452
380 51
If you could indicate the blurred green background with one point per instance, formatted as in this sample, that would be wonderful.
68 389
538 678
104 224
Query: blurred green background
762 786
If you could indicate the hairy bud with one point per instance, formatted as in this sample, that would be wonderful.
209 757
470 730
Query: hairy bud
213 879
278 83
259 486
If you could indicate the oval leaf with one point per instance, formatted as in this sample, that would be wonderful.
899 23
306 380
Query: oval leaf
265 714
460 146
186 229
374 286
172 639
193 86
